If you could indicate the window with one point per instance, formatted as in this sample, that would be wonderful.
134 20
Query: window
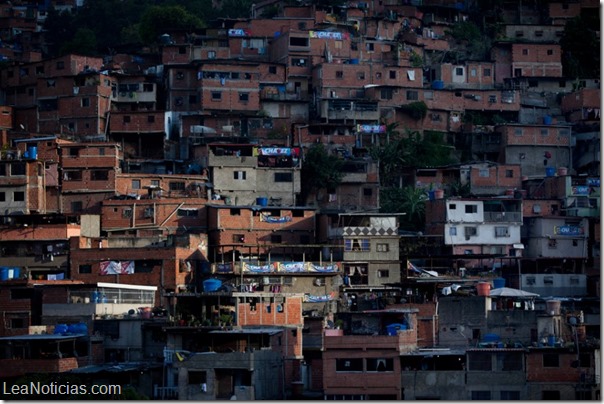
361 75
386 93
525 51
235 212
272 69
518 131
544 132
552 243
283 177
151 118
412 95
492 99
136 184
383 273
17 169
276 238
2 197
550 51
211 54
509 173
392 74
77 206
550 395
381 247
60 65
177 186
244 97
349 365
127 213
486 72
519 34
238 238
551 360
380 365
99 175
85 269
473 72
471 208
239 175
452 231
428 95
369 47
2 169
155 183
517 72
530 280
187 212
483 172
297 41
452 206
300 62
216 95
367 192
501 231
356 244
509 395
481 395
479 361
18 196
339 74
85 102
197 377
539 34
459 71
548 280
149 212
470 231
101 151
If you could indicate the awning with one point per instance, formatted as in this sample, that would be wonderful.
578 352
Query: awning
518 246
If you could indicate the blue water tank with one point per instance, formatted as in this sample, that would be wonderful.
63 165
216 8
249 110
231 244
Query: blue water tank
3 273
498 283
262 201
438 84
354 61
14 273
550 171
392 329
61 328
491 338
547 120
32 151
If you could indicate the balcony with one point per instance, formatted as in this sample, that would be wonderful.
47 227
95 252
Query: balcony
503 217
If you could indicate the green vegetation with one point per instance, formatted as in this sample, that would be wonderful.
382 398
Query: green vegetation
103 27
319 171
581 48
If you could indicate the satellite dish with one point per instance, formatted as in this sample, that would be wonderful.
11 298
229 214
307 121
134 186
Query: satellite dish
572 321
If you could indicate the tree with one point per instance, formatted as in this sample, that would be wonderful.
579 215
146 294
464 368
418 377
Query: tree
83 43
581 48
158 19
319 171
413 203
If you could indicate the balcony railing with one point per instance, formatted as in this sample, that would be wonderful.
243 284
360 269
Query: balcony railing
513 217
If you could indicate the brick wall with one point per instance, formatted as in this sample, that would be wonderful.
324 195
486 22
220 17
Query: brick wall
536 372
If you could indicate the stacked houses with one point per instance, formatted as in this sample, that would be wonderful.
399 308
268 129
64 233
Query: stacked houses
154 229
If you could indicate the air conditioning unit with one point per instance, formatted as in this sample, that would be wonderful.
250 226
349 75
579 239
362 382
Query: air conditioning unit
227 128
